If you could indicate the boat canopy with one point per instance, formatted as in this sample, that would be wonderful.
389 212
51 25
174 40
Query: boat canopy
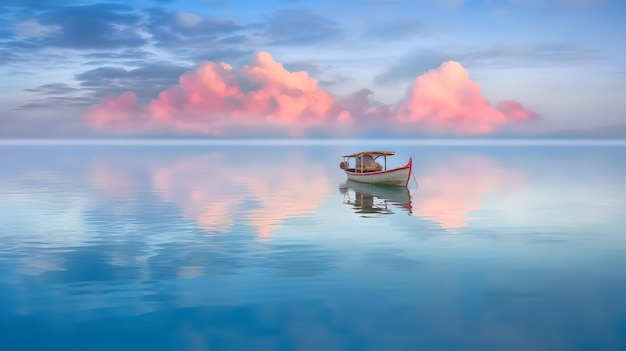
372 153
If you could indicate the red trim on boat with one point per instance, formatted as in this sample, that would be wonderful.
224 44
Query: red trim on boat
408 165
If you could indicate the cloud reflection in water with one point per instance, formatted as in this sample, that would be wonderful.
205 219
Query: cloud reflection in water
450 191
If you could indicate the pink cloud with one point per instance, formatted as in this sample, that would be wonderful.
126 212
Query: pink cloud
514 110
446 99
213 100
263 97
118 114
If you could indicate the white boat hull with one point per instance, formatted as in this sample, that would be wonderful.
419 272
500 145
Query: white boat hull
397 176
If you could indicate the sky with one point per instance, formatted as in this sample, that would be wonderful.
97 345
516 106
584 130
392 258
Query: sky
313 69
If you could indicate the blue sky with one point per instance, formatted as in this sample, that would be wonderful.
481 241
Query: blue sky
67 65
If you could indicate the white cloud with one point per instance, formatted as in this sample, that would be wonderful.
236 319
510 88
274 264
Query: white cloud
186 19
32 28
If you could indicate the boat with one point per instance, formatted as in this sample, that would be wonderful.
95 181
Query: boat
372 199
366 169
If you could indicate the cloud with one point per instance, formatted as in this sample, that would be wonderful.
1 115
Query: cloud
186 19
145 81
263 98
128 55
216 99
446 99
395 30
112 28
99 26
234 39
413 64
60 95
32 28
312 68
180 29
43 26
66 103
199 38
300 27
8 56
53 89
420 60
119 115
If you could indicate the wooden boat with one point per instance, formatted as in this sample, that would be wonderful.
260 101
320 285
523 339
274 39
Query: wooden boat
367 170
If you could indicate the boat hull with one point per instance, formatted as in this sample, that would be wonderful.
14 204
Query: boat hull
397 176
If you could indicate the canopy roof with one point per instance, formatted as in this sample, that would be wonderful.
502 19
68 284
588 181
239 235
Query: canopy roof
373 153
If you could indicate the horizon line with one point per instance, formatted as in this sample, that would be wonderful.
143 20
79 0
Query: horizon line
312 142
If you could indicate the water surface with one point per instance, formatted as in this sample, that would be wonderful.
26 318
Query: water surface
213 247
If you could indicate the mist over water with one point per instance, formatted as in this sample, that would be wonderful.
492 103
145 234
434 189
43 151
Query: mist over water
268 247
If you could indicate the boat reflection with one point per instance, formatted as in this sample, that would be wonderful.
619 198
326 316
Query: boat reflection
371 200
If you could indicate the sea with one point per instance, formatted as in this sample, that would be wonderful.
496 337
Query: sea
265 245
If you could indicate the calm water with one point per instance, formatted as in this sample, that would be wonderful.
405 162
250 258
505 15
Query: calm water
268 248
